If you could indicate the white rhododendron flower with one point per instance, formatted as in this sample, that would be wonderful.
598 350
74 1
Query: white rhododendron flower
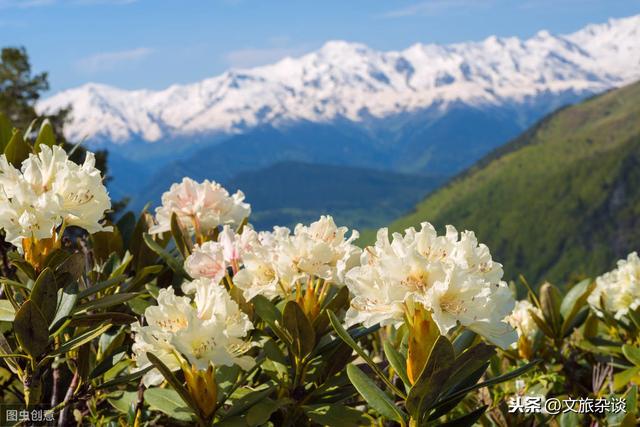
452 276
29 215
522 320
200 206
48 190
211 259
618 291
208 329
281 259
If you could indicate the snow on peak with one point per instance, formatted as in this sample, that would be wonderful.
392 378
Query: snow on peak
351 80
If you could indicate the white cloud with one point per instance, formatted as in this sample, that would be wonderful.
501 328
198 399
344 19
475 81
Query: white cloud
433 7
107 61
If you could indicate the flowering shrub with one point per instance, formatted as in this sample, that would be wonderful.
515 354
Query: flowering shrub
190 316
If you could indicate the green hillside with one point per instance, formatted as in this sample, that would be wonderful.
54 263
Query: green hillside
562 199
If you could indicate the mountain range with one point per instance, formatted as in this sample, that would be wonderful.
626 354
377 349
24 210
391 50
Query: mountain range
559 202
429 109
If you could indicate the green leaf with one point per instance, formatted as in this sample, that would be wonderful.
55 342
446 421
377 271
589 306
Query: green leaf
101 286
375 397
168 402
573 297
44 293
5 131
123 400
67 298
269 313
429 385
464 340
81 339
174 382
106 301
466 420
336 415
573 303
183 240
297 324
7 312
46 136
240 405
344 335
496 380
17 150
397 362
171 261
124 379
108 362
550 300
468 363
260 413
632 354
31 329
93 319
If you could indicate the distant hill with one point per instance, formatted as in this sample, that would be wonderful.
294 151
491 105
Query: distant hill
290 192
562 199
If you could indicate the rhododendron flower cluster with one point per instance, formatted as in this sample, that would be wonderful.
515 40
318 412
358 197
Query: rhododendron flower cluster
618 291
48 191
452 276
202 329
522 320
200 207
283 259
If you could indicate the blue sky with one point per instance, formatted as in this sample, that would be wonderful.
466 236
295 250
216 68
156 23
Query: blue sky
155 43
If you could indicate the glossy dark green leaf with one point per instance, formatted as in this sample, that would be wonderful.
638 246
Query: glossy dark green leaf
44 293
67 299
240 405
468 363
374 397
102 286
171 261
466 420
430 384
31 329
81 339
464 340
574 304
17 150
496 380
550 300
46 136
5 131
336 415
168 402
260 413
269 313
397 361
344 335
94 319
174 382
180 237
124 379
106 301
297 324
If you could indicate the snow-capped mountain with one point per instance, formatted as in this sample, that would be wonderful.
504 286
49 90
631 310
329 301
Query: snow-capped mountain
351 81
